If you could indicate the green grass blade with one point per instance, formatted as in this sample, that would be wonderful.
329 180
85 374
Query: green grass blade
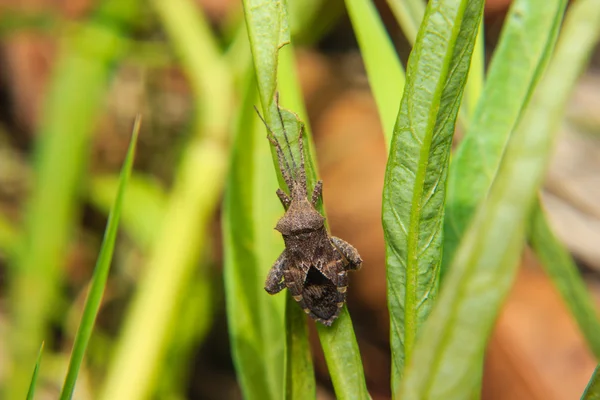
256 321
300 376
560 267
98 282
34 376
143 207
448 353
9 237
592 391
268 31
409 14
384 70
343 359
413 196
75 96
194 197
342 356
476 77
527 39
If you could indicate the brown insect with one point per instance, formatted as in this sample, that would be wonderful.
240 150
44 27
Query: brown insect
313 265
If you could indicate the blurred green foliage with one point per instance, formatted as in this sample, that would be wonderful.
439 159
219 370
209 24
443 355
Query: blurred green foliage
224 150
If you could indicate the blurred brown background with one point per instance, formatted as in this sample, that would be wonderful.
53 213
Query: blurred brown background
536 351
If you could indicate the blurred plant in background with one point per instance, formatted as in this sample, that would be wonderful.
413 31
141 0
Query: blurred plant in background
183 311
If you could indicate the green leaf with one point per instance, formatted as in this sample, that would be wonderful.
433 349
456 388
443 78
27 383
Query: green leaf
9 237
268 31
559 266
300 380
341 355
343 359
413 196
592 391
409 14
386 75
527 39
98 282
256 320
448 353
34 376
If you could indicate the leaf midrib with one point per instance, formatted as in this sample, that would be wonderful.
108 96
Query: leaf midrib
412 262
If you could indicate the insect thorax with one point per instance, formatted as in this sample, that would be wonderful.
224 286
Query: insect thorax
300 218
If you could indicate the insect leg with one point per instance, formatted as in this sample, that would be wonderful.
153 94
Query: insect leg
275 282
284 198
294 280
317 193
348 251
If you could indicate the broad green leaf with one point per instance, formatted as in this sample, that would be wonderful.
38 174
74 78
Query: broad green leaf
189 209
100 275
559 266
592 391
72 104
527 39
386 75
413 196
448 353
34 376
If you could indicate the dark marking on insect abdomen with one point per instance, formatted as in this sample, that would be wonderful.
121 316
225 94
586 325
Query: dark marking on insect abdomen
320 294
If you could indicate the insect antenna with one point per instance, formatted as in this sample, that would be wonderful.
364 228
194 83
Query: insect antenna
284 166
285 135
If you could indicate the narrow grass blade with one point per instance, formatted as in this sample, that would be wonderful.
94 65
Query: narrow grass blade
98 282
527 39
300 374
256 320
268 31
413 196
384 70
343 358
409 14
448 353
34 376
560 267
592 391
143 208
75 95
476 78
9 238
193 200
